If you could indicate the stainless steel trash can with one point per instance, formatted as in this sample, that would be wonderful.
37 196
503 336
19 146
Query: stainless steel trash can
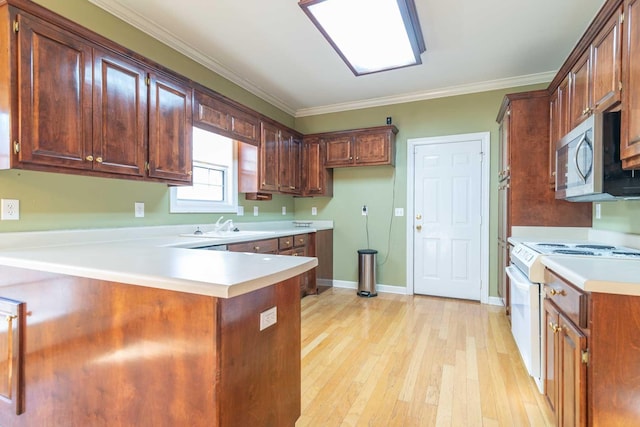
367 272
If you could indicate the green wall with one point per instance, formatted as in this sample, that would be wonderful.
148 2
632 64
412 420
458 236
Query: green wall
374 186
56 201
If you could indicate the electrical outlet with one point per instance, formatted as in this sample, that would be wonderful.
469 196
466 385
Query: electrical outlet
268 318
139 209
399 211
240 211
10 210
284 210
365 210
598 211
314 211
255 211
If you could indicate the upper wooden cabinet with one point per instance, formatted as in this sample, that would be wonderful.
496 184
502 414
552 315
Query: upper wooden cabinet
558 124
170 130
595 79
318 180
630 120
360 147
268 160
222 117
290 162
78 103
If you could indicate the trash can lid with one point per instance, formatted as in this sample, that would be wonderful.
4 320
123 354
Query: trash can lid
367 251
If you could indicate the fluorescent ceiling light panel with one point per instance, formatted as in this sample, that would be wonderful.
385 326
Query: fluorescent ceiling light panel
369 35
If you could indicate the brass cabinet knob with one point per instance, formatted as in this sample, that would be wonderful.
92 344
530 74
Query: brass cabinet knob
554 327
89 158
99 159
418 216
190 173
287 242
256 248
418 227
553 292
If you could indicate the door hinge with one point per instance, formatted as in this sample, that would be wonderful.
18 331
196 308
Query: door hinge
585 357
16 147
16 26
146 166
620 85
622 17
148 81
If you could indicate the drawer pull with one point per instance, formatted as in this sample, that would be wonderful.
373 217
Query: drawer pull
256 248
561 292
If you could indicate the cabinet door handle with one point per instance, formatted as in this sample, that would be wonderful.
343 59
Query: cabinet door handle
256 248
560 292
418 227
99 159
89 158
350 157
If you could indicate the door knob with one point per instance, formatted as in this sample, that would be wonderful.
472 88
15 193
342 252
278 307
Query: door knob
418 216
418 227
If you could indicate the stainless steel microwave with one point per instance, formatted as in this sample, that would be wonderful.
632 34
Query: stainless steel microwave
588 165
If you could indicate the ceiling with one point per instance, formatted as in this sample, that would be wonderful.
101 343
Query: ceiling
271 48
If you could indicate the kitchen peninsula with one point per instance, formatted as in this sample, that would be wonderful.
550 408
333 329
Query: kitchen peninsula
147 332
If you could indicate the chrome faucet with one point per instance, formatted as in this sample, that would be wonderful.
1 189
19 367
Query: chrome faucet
225 226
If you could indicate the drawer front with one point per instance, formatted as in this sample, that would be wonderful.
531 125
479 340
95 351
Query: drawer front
570 300
300 240
259 246
285 243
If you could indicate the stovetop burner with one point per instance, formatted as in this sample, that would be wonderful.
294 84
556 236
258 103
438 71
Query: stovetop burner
552 245
601 247
572 252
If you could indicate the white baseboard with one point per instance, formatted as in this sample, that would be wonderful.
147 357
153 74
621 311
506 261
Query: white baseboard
495 301
345 284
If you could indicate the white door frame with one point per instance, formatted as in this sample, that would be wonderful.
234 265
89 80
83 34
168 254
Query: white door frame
485 147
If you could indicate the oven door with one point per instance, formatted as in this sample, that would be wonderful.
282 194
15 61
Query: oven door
525 319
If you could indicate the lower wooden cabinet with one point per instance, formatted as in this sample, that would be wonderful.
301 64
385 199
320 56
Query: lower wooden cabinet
294 245
566 369
591 342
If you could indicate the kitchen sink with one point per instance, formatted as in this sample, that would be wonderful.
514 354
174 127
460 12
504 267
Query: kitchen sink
228 234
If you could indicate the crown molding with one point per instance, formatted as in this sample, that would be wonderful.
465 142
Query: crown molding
156 31
465 89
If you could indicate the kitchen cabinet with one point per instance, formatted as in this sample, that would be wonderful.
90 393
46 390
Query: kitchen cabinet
317 179
591 339
360 147
595 78
90 352
211 112
558 124
268 164
524 195
170 130
267 246
78 103
290 163
630 120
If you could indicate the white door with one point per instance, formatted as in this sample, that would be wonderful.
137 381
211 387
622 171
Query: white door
447 223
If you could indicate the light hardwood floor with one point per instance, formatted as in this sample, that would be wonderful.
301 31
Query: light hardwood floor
397 360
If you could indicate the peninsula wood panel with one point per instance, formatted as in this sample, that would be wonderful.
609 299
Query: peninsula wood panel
101 353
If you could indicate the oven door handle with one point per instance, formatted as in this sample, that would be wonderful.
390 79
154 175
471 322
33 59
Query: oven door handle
517 277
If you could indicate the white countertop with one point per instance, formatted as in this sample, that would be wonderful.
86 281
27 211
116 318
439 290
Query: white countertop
605 275
158 257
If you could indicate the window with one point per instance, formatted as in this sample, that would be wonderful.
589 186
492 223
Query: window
215 184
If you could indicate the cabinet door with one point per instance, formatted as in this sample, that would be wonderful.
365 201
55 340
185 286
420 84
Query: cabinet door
373 148
120 115
554 136
573 385
606 63
564 107
580 95
268 157
12 348
338 151
290 160
630 135
170 125
551 344
214 114
55 83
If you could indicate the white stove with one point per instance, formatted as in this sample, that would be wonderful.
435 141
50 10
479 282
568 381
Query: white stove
527 255
526 273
